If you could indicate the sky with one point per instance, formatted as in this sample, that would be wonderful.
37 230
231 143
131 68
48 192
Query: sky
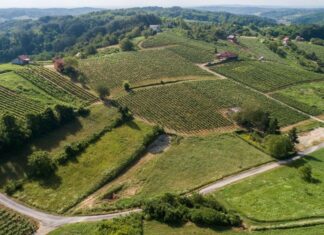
165 3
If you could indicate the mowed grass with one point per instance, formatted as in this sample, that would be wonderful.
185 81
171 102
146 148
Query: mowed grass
13 165
266 76
198 106
78 178
307 97
137 67
20 85
186 165
281 194
12 223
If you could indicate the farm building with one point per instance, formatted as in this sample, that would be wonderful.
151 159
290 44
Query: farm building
21 60
286 41
58 64
232 39
225 56
300 39
156 28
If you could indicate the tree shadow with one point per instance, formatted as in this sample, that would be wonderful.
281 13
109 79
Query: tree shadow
133 125
52 182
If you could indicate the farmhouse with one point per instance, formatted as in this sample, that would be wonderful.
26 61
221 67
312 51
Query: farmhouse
156 28
58 64
226 56
21 60
286 41
232 39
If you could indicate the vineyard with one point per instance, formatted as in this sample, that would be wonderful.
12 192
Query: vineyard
17 105
12 223
139 66
266 76
318 50
56 85
197 106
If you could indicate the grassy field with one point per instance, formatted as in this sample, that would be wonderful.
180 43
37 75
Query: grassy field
12 223
308 47
200 105
186 165
13 165
280 194
306 97
22 86
137 67
266 76
78 178
9 67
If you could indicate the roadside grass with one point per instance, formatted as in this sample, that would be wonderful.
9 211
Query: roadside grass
266 76
279 195
13 165
12 223
135 67
80 177
21 86
188 164
306 97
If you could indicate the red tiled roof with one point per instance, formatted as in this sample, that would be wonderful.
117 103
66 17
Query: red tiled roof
226 54
24 58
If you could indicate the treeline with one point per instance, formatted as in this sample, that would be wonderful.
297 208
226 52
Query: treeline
51 35
14 132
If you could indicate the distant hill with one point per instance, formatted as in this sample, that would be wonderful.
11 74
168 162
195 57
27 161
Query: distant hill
35 13
316 18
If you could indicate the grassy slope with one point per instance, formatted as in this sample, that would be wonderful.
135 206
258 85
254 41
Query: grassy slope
13 165
280 194
18 84
185 166
137 67
308 47
78 177
306 97
12 223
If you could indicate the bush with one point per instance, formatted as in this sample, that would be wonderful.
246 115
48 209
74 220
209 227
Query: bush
126 45
83 112
65 114
305 173
13 186
126 85
102 91
279 146
40 164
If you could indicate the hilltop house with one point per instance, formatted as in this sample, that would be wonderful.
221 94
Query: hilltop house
155 28
226 56
286 41
232 39
21 60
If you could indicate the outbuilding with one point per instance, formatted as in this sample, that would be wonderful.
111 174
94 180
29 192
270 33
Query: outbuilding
21 60
225 56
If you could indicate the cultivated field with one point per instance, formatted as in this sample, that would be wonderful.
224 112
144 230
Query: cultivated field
196 106
266 76
11 223
196 161
279 195
306 97
137 67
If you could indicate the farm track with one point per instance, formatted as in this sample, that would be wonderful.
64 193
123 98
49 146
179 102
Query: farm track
49 222
264 94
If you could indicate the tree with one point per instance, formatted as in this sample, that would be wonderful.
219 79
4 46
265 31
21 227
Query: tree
102 91
40 164
305 173
91 50
293 136
11 133
126 85
279 146
65 113
126 45
273 127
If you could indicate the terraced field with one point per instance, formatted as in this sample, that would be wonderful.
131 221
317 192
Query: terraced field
196 106
17 105
56 85
137 67
12 223
266 76
306 97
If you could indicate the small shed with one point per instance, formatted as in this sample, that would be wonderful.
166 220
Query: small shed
155 27
225 56
286 41
58 64
300 39
232 38
21 60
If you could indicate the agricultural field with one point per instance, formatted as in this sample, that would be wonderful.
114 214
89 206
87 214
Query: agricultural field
196 161
200 105
279 195
12 223
96 165
13 165
266 76
137 67
306 97
22 86
18 105
56 85
308 47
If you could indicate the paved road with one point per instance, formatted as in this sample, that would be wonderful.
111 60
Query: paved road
257 170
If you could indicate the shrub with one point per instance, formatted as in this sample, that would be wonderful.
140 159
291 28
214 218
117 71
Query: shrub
102 91
279 146
83 112
305 173
13 186
40 164
126 45
65 114
126 85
